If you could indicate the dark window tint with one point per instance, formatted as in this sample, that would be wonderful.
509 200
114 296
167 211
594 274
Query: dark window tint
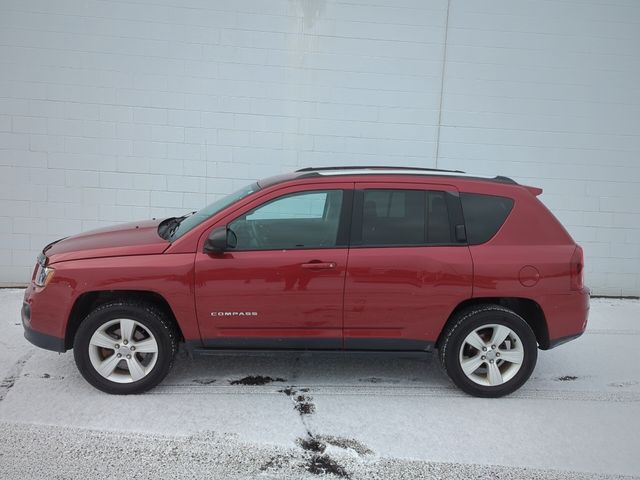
484 215
393 217
438 226
404 217
300 220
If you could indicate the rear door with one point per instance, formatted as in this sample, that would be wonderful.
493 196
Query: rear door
409 265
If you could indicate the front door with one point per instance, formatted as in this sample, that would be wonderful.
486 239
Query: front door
407 270
282 285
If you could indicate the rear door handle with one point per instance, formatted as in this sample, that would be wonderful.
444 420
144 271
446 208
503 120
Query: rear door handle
319 265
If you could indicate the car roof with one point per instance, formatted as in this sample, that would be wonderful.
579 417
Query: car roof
310 172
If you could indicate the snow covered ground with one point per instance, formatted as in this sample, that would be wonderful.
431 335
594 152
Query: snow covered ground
357 416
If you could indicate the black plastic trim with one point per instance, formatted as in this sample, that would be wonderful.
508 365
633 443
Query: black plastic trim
456 216
356 218
42 340
344 227
559 341
304 344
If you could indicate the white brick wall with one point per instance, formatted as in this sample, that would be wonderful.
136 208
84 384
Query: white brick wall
547 92
119 110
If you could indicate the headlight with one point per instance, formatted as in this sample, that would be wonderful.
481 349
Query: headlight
43 275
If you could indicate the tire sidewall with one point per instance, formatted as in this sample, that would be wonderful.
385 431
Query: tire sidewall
151 320
475 320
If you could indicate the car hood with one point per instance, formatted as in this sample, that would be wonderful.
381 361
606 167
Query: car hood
136 238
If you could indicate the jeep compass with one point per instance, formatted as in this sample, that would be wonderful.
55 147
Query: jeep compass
340 258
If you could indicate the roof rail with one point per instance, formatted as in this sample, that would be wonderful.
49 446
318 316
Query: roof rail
376 167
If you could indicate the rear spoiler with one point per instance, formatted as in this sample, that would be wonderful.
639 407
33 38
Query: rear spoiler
535 191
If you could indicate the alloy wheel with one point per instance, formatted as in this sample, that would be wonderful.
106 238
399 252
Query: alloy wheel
123 350
491 355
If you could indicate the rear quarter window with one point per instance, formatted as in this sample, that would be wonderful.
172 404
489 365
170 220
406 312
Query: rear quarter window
484 215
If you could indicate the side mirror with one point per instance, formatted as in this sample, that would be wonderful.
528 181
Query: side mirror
219 240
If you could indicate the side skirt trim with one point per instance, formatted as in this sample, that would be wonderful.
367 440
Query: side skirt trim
244 345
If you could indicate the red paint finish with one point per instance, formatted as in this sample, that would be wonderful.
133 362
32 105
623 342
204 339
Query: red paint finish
403 292
497 274
166 275
290 300
140 238
352 297
529 276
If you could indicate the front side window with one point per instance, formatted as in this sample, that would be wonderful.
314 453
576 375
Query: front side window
300 220
396 217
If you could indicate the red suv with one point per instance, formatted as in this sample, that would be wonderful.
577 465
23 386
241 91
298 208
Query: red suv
350 258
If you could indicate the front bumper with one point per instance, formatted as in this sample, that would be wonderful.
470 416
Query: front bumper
43 340
39 339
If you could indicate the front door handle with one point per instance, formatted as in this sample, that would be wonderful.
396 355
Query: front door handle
319 265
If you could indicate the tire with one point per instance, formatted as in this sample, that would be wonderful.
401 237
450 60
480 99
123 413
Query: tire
146 350
500 369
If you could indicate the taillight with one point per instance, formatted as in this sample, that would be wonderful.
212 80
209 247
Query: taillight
577 269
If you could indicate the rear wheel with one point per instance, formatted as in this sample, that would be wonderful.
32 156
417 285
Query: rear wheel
125 347
488 351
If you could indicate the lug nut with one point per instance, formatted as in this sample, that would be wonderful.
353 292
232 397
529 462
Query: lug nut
483 357
119 355
117 346
484 349
133 349
493 347
125 342
128 357
497 354
490 361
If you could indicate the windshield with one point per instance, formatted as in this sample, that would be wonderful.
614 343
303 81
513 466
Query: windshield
192 221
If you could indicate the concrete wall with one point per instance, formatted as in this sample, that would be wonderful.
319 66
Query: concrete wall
119 110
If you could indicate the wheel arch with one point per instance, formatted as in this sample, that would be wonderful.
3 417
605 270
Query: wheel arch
86 302
527 308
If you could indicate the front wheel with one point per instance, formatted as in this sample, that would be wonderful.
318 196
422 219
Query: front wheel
125 347
488 351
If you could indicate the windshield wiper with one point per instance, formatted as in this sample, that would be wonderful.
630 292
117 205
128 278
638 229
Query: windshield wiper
164 225
168 227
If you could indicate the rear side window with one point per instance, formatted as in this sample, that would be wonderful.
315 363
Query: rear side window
484 215
393 217
403 217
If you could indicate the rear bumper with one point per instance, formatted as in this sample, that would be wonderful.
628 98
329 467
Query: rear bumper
567 316
560 341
